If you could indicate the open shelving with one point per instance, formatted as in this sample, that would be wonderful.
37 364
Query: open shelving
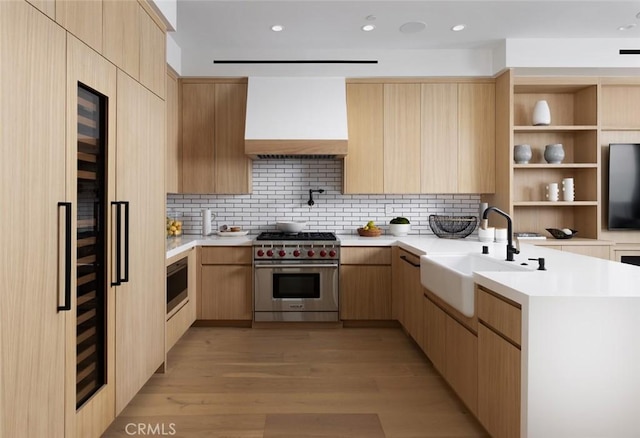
573 103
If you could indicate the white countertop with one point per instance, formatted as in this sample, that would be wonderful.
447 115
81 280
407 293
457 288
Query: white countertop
567 274
176 245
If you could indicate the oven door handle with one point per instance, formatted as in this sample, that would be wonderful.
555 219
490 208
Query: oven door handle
310 265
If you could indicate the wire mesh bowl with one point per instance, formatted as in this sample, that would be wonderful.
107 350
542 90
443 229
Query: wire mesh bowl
452 227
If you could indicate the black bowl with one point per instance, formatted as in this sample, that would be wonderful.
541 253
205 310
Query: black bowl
559 234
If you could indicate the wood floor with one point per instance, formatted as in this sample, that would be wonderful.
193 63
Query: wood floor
302 383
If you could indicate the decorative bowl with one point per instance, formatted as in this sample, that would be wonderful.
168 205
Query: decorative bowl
452 227
559 234
291 227
369 233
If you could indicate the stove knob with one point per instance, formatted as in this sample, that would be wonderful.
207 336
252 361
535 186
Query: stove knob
332 253
269 253
310 253
323 253
260 253
281 253
296 253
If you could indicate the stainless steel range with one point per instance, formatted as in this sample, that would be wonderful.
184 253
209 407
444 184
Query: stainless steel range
296 276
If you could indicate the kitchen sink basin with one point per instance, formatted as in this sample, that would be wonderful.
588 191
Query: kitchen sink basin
450 276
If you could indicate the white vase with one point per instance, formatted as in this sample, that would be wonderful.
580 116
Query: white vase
541 113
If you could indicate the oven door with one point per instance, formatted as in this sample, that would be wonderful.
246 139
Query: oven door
296 287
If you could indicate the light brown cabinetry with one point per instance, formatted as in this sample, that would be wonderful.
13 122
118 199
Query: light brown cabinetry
153 58
499 363
439 138
83 19
412 291
435 332
365 283
436 137
140 180
461 362
476 138
32 140
363 165
213 159
458 138
90 394
121 21
452 347
179 321
601 248
225 284
174 154
401 138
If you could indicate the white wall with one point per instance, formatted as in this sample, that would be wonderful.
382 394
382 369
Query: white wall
281 190
571 53
390 63
174 54
168 9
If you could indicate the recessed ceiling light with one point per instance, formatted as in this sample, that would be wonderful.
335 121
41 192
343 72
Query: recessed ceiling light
413 27
277 28
458 27
627 27
368 27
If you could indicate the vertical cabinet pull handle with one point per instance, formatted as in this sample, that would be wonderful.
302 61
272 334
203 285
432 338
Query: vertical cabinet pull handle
118 239
67 256
125 278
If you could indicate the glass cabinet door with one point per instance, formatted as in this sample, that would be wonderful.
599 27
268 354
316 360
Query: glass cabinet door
91 245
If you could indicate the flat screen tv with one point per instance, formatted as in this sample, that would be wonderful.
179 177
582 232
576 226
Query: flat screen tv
624 186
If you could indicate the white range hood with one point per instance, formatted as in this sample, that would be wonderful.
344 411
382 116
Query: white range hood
296 117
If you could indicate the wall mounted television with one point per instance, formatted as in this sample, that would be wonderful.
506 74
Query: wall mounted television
624 186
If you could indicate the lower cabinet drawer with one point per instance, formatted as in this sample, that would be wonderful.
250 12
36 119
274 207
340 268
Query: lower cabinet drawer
499 314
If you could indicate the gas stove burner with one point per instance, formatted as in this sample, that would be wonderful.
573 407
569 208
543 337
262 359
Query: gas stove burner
303 236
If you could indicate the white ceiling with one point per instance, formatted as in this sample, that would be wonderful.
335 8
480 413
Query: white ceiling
316 29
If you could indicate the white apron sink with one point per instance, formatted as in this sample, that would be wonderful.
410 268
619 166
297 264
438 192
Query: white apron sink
450 276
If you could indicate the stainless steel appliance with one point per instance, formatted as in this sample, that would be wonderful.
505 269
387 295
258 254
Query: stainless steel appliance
296 276
177 283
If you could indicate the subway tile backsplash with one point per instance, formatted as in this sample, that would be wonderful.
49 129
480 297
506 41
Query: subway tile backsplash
281 191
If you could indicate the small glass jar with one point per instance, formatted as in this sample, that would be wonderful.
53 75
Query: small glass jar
174 225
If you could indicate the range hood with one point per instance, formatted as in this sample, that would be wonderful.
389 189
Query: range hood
297 117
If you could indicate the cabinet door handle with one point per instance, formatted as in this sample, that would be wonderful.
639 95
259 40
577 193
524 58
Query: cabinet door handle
67 256
410 262
125 278
118 242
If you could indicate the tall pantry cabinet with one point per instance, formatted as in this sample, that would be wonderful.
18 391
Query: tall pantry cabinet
32 141
83 190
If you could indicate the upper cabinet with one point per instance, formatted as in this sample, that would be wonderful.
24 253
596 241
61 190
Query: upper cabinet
476 138
121 32
153 58
213 159
435 137
83 19
174 156
135 42
364 164
402 138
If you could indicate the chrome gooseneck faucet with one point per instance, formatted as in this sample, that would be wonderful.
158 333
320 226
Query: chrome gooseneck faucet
511 250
